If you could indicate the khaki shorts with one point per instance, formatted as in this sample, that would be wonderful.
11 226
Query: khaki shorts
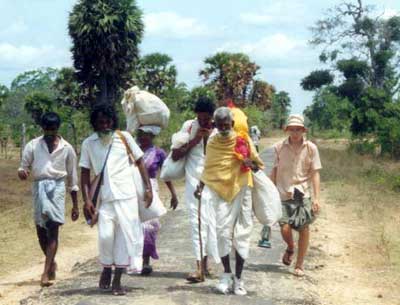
287 210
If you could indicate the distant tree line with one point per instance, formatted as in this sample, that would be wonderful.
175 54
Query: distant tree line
359 92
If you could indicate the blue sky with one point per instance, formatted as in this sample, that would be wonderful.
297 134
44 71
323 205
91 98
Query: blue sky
33 34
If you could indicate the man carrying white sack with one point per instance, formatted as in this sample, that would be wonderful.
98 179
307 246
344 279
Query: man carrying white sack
227 181
196 133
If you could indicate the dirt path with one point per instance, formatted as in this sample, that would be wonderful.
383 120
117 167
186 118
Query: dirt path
335 273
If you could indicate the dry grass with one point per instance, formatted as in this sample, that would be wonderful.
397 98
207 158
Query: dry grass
363 187
19 247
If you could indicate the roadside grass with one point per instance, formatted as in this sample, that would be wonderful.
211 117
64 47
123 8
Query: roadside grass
368 189
19 246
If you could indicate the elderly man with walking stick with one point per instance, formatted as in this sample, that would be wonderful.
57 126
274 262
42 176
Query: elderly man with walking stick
227 179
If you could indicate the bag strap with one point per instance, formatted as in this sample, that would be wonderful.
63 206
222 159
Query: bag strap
97 190
128 148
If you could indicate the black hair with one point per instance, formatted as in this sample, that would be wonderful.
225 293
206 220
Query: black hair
204 104
50 119
107 110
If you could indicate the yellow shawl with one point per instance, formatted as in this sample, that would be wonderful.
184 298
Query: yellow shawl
222 172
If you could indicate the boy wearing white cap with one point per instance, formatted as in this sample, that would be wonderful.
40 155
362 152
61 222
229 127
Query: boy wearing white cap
296 169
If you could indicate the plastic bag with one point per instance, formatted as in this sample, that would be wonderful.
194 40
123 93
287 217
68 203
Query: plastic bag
267 204
143 108
156 208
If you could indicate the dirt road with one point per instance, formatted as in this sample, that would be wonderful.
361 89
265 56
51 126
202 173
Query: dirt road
266 279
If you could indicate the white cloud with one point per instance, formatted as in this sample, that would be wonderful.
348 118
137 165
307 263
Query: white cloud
16 28
389 13
277 13
28 57
256 18
274 46
172 25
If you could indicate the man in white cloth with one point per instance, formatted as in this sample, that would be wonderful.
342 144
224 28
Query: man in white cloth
199 131
119 226
227 179
51 159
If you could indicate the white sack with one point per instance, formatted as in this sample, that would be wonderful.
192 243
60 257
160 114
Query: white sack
267 204
157 208
143 108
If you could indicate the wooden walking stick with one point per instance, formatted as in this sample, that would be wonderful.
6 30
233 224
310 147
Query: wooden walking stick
201 243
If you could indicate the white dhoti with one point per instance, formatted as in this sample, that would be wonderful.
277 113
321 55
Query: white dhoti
120 234
233 222
208 228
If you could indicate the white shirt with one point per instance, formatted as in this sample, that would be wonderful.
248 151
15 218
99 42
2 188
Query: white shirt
56 165
196 156
118 181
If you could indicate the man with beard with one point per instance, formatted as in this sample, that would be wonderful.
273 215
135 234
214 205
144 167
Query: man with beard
50 159
119 227
227 180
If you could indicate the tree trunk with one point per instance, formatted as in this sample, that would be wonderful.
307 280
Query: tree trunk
102 95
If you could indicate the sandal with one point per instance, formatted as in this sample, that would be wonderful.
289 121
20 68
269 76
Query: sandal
288 257
299 272
195 277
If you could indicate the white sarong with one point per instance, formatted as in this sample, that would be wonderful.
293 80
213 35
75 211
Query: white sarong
194 168
233 221
120 234
48 201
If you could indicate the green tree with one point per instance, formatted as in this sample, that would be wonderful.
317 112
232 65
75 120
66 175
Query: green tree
4 92
155 73
364 49
230 75
280 109
37 103
351 30
329 111
317 79
105 36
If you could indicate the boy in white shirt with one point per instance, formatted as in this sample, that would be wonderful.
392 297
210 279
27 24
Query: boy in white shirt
50 159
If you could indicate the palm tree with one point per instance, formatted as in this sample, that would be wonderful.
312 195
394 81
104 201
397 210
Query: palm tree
155 73
105 36
230 74
280 108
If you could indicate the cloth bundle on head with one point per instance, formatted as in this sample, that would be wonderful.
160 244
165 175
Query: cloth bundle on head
153 129
143 108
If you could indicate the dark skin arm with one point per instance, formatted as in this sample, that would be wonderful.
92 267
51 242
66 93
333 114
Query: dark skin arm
75 208
249 163
174 198
88 206
148 194
179 153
